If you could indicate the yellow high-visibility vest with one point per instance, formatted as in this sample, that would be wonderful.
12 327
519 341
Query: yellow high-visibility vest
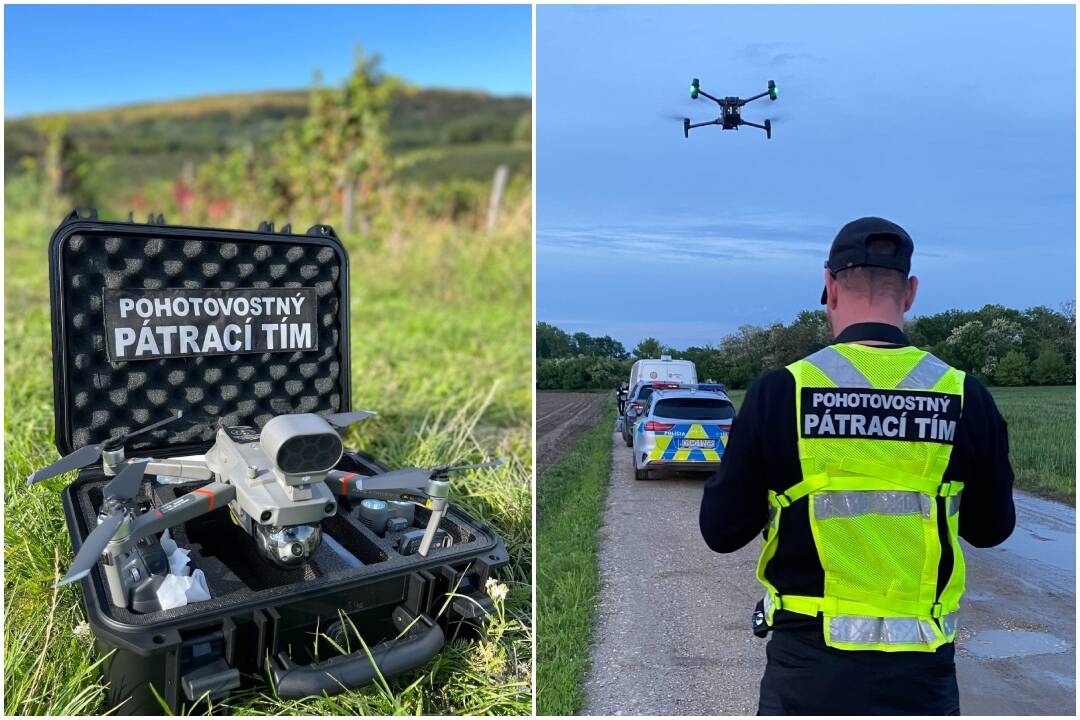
875 434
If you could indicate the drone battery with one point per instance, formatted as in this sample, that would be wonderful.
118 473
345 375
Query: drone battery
397 524
403 510
409 542
374 514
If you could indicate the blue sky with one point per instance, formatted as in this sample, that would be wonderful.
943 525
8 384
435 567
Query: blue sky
78 57
956 122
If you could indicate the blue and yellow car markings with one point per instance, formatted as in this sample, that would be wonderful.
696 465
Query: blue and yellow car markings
669 446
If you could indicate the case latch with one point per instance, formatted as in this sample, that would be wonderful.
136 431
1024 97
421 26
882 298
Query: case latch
81 213
213 682
322 231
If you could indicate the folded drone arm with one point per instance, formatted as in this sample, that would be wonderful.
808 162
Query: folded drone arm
354 485
181 468
186 507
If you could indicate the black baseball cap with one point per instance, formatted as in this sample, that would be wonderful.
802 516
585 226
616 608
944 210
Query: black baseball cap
849 247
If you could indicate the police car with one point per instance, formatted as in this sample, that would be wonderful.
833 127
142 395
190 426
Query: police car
682 430
636 402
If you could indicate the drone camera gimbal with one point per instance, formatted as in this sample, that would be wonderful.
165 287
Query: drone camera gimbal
730 117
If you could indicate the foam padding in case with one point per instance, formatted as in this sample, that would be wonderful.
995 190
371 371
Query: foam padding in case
96 398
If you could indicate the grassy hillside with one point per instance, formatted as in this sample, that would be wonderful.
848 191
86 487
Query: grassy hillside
152 141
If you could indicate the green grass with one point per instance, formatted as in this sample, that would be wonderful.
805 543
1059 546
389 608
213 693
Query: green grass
1042 438
440 349
570 506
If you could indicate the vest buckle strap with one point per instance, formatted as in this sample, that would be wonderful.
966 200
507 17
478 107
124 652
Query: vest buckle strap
949 488
783 500
935 610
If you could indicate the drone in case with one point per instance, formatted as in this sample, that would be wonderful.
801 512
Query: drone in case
279 484
730 110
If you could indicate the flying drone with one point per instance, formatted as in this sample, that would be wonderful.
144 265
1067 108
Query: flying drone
279 484
730 110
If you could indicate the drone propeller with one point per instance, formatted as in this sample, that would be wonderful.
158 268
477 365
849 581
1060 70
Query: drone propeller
90 454
342 421
118 492
476 466
125 486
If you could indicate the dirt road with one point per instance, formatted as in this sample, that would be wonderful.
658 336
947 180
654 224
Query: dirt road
560 417
673 621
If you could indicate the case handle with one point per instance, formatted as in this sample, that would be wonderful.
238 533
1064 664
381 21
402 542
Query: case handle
347 672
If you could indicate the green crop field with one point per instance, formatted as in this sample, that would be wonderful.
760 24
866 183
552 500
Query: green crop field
1042 438
440 349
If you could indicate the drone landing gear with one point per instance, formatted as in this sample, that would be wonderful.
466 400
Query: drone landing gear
767 127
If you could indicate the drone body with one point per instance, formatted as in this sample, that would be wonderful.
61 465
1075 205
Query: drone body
730 117
279 485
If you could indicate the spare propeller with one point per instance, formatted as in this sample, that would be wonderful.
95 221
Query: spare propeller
90 454
119 492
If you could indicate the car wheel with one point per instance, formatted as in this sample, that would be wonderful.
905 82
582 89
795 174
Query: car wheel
642 474
628 440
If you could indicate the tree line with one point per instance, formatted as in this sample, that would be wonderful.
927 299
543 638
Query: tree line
998 345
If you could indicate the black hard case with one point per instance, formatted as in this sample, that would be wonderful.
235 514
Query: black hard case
262 624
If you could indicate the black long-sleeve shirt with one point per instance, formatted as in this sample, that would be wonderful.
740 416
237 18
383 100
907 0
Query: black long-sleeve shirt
762 454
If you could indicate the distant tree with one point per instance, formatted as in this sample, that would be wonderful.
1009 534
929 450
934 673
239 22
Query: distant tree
523 128
650 347
339 151
928 330
966 348
607 346
809 333
551 342
1011 369
1049 367
994 343
580 373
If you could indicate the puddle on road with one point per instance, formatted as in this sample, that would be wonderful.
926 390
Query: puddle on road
997 644
1045 532
1038 542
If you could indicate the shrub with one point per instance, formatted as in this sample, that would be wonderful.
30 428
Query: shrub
1012 369
1049 367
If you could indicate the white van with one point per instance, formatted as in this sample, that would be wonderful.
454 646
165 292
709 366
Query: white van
663 370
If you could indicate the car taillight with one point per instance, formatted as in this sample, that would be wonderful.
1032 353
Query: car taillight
653 426
635 406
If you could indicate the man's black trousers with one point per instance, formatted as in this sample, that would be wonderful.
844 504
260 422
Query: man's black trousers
803 676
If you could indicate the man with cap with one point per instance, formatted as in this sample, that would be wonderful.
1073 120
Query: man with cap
862 465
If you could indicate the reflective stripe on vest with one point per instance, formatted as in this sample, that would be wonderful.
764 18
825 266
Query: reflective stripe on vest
870 502
926 374
838 368
856 630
